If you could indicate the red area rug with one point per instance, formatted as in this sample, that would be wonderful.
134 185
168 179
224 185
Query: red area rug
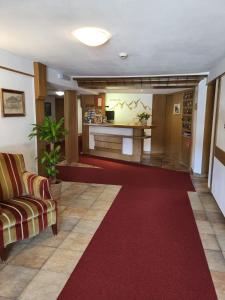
121 173
148 246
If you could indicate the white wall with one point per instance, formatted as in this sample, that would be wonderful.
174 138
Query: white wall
14 130
218 173
125 115
217 70
53 78
198 126
218 181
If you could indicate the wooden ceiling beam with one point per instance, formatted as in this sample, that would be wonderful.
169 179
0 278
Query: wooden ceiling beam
120 79
108 83
140 82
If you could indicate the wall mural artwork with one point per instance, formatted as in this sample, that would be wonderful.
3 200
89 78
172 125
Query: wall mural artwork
131 105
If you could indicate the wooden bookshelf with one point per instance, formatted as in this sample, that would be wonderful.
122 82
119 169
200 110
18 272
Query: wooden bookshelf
187 114
187 123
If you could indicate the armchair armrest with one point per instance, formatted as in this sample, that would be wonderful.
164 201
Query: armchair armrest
37 186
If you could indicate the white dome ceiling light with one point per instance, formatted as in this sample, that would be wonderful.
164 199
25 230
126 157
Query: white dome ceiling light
92 36
59 93
123 55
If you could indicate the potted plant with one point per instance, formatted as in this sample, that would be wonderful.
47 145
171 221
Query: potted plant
143 117
52 132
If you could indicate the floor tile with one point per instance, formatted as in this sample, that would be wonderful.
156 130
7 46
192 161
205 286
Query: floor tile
33 256
215 217
221 241
68 223
195 201
46 238
215 260
88 196
16 248
219 283
219 228
209 202
82 203
94 214
76 241
13 279
86 226
61 208
204 227
77 212
200 215
45 286
209 241
101 205
63 261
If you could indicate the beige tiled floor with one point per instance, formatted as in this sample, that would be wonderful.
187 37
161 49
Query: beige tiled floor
211 226
163 161
37 269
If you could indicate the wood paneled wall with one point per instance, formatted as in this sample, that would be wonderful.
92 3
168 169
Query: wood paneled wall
59 108
173 127
158 119
208 127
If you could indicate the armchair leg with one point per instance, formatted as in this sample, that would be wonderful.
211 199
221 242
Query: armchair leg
55 229
4 254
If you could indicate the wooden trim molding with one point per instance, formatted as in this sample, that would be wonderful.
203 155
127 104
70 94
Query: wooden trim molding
214 127
40 84
71 125
220 155
16 71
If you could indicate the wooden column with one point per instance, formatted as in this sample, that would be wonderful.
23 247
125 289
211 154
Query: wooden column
208 127
71 125
158 119
137 144
40 85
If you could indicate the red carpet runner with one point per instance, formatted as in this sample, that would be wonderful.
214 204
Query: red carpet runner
147 247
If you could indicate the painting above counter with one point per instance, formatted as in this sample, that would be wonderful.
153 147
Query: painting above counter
128 106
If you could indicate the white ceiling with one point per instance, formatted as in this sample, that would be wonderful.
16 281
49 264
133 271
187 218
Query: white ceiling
161 37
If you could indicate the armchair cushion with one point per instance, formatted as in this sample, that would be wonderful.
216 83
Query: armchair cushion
12 167
37 186
24 217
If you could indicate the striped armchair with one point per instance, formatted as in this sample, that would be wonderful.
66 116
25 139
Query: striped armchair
26 204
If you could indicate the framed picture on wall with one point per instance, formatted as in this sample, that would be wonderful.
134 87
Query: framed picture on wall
176 109
13 103
48 109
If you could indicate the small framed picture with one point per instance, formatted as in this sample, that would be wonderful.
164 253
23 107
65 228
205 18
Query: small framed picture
98 119
176 109
13 103
48 109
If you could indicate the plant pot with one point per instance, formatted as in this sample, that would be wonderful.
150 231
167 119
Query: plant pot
144 122
56 190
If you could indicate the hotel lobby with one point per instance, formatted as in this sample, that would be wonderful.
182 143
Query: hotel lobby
112 150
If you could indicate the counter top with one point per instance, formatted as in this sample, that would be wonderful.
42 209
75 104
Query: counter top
135 126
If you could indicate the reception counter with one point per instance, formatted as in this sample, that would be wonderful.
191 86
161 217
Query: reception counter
118 141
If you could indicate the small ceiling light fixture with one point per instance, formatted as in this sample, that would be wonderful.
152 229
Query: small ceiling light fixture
123 55
92 36
59 93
